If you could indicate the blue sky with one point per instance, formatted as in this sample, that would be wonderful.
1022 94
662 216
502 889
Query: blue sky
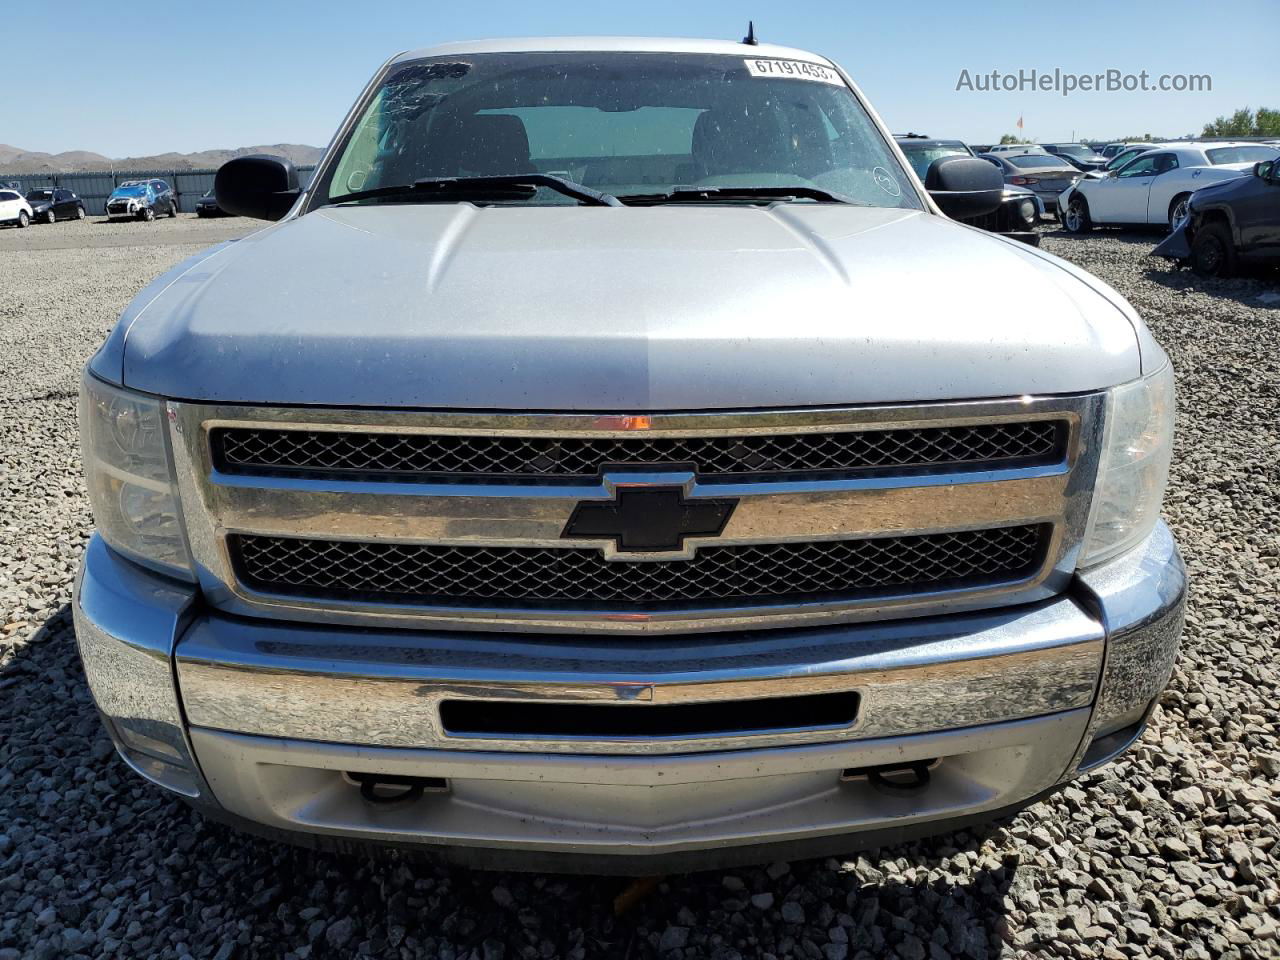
237 73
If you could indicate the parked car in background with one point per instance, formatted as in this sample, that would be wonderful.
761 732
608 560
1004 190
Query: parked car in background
14 208
207 206
135 200
55 204
521 494
165 200
1230 223
1120 158
1076 154
1043 173
1154 187
1016 148
1020 209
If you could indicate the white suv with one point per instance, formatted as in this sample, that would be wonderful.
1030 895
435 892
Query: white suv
14 208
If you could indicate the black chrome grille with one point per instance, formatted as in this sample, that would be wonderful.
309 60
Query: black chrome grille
405 456
569 578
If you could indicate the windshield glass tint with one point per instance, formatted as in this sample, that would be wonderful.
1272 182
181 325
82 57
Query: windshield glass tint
1038 161
621 123
921 158
40 195
1241 154
1120 159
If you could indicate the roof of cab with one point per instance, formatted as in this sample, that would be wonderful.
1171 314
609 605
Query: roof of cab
613 45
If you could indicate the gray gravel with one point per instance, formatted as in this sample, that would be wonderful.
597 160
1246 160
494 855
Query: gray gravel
1170 852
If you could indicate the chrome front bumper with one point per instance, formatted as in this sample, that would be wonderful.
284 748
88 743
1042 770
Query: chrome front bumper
263 721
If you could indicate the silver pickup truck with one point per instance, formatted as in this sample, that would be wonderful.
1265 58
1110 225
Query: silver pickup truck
612 460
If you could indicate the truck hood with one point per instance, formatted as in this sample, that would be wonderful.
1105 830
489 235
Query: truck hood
1221 189
620 309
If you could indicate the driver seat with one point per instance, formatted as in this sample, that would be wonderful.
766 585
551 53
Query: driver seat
482 145
739 140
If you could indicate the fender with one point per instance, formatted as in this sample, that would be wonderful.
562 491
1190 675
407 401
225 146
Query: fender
1225 210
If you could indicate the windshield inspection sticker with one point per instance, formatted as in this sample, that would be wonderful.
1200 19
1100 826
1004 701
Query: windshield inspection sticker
884 180
794 70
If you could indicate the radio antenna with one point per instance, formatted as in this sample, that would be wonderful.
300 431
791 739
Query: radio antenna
750 39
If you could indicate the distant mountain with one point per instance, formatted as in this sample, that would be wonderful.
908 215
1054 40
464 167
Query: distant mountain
17 160
32 161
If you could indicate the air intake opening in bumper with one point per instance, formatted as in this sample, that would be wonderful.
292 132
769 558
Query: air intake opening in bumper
632 720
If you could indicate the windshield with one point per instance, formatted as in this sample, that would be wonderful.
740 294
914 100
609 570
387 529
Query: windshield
40 195
1039 160
131 190
921 158
621 123
1219 155
1074 149
1120 159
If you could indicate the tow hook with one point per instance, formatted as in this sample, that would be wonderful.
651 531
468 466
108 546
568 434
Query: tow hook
894 778
385 789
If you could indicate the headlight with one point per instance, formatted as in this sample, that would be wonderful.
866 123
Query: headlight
1134 466
1028 210
126 467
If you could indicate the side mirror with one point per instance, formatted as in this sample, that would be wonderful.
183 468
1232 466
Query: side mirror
1266 169
964 187
256 186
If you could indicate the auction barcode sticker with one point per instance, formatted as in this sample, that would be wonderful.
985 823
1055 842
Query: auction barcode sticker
793 69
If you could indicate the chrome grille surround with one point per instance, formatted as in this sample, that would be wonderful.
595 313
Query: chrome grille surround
532 512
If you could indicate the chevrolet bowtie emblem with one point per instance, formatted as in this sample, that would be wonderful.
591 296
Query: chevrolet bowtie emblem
649 519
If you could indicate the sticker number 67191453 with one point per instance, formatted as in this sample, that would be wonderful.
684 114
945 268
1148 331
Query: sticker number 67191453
793 70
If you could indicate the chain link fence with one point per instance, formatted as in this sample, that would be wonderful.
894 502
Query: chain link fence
94 188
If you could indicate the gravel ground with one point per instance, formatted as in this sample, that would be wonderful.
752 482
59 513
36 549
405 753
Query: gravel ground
1170 852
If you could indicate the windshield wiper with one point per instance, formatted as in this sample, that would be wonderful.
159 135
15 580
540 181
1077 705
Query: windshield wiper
684 194
512 186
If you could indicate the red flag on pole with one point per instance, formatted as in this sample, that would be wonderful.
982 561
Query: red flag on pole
1019 123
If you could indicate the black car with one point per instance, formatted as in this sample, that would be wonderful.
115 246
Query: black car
1019 211
207 206
1230 223
56 204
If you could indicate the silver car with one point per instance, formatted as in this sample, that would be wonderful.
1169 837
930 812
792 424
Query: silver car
612 461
